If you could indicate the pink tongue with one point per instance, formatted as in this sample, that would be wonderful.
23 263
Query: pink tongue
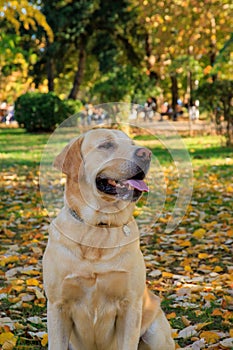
139 185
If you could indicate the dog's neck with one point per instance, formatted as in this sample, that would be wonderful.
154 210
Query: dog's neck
77 217
69 226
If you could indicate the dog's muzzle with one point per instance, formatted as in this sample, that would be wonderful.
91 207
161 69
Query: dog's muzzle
132 185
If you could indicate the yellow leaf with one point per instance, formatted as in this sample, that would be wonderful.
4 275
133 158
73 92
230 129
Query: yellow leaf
216 312
202 325
18 288
33 261
44 340
209 225
229 189
32 282
136 212
231 333
163 220
185 244
19 325
14 300
203 256
188 268
10 259
9 344
228 315
9 233
171 315
31 272
17 282
7 338
185 321
209 297
198 234
26 305
218 269
167 274
210 336
174 334
230 233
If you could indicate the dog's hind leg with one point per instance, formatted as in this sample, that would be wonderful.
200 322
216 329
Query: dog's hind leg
158 335
156 331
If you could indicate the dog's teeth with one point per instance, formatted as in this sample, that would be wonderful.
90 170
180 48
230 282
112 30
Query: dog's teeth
112 182
120 186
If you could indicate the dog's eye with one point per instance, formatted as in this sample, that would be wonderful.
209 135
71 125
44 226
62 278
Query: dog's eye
107 145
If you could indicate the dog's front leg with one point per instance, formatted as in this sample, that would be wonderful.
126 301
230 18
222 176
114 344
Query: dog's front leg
128 326
59 327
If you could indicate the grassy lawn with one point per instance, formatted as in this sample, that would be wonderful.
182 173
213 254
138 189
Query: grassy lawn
190 268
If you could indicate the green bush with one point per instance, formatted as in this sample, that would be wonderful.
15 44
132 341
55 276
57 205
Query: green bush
42 112
74 106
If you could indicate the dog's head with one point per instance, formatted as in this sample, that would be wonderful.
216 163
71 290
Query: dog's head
104 165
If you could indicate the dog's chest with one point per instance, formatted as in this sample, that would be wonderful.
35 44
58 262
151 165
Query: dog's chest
92 280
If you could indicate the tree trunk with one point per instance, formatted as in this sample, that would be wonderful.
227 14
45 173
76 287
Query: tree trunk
174 89
50 66
79 74
50 74
229 120
151 59
189 91
213 43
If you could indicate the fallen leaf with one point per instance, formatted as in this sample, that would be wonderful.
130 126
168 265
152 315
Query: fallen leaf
227 343
198 234
210 336
8 340
44 340
187 332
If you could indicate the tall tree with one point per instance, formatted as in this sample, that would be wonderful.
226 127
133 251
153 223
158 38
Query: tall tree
79 27
176 28
14 59
24 13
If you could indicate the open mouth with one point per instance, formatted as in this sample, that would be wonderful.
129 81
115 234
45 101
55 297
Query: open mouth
126 189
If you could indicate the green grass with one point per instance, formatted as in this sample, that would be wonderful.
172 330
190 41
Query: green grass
19 148
203 150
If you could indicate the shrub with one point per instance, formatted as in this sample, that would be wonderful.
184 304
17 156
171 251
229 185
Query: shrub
41 112
74 106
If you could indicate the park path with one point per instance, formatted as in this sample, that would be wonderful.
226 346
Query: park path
182 127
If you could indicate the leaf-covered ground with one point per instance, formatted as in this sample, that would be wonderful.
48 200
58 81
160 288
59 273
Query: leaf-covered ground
191 268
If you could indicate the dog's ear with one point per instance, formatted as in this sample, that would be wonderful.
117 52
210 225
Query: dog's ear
70 158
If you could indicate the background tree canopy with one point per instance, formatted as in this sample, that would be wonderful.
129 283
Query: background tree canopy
100 51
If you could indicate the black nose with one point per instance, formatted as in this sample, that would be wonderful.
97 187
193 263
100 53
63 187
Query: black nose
143 154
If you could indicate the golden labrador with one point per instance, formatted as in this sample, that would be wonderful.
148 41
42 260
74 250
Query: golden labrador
94 273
